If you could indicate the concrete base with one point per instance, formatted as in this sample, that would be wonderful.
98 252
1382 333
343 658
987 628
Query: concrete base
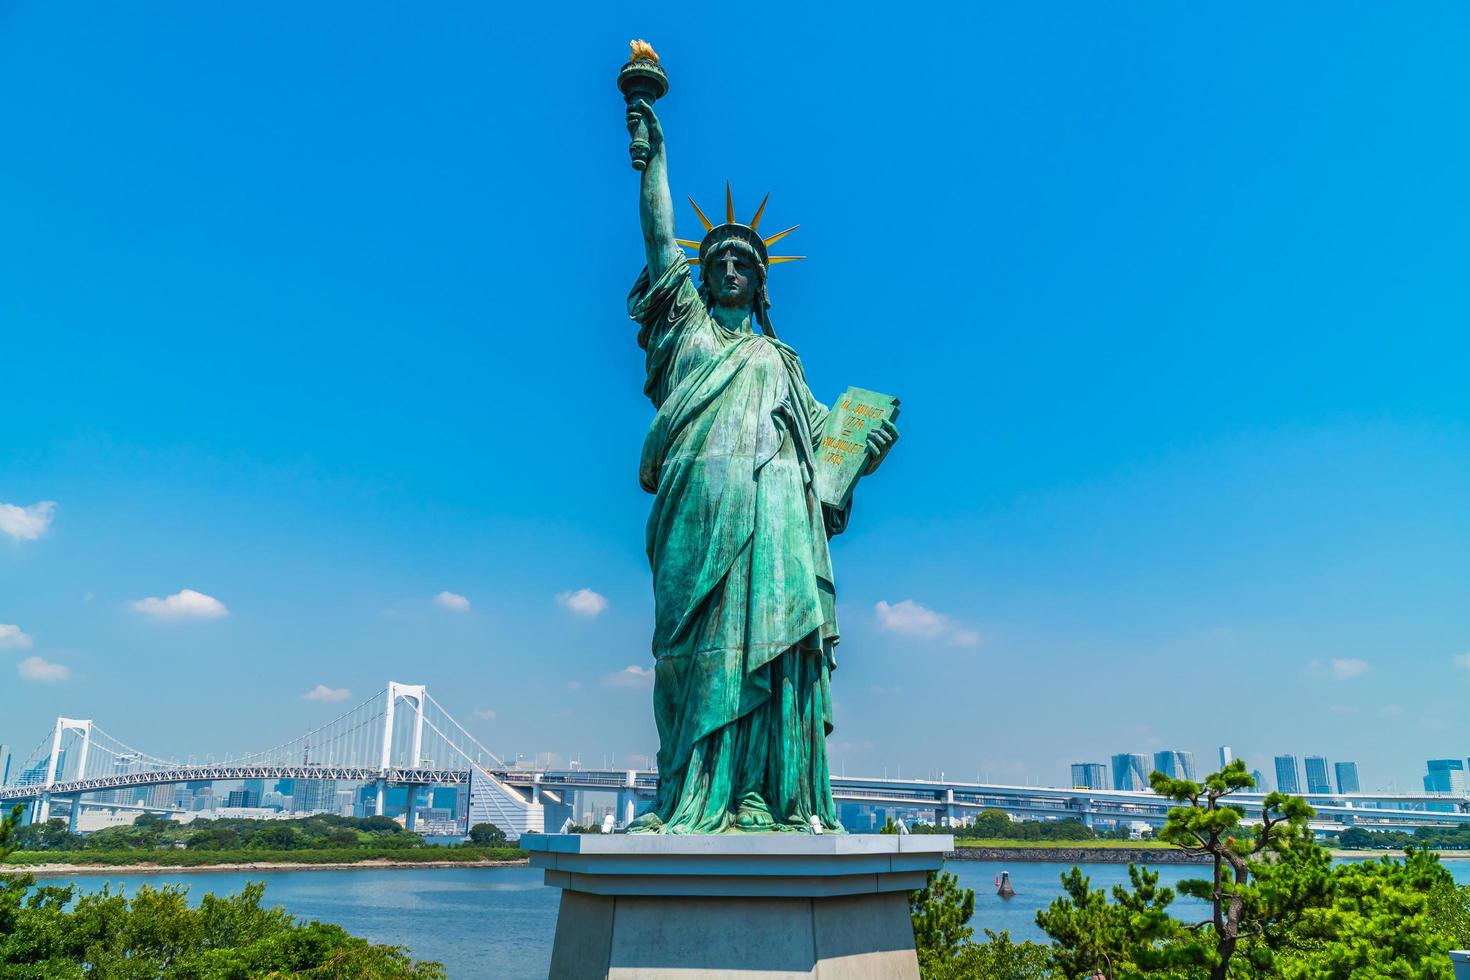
752 906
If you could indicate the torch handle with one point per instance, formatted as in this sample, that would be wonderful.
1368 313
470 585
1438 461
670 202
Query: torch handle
640 149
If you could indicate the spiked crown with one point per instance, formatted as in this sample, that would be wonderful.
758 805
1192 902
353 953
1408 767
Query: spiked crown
715 234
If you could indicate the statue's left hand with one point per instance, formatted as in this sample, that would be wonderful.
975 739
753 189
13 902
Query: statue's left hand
880 440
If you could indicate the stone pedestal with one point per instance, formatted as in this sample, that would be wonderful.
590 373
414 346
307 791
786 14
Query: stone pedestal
752 906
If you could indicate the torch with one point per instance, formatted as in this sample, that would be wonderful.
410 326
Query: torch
642 78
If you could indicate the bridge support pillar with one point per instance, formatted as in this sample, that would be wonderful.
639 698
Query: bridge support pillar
43 809
628 799
944 813
413 800
76 809
382 789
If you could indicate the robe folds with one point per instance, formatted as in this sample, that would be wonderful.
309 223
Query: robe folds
745 619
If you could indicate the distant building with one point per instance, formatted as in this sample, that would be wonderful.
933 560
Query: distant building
1317 781
1085 775
246 798
4 763
36 773
161 796
1288 774
1260 779
1130 771
1175 765
1347 777
1445 776
1226 756
316 795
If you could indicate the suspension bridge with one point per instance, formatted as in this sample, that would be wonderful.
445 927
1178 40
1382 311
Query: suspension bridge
399 737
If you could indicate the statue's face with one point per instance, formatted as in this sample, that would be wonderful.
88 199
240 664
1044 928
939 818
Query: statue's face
732 277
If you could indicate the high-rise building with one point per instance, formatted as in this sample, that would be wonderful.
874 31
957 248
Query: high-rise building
1347 777
242 798
315 796
1260 779
1317 781
1288 774
1130 771
4 763
36 772
1175 765
1445 776
1085 775
1226 756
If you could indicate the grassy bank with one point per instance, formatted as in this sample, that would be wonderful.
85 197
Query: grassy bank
177 858
1089 845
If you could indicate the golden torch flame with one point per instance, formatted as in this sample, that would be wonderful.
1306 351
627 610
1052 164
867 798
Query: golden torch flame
642 51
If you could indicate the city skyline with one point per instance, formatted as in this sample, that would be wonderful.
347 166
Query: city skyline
293 380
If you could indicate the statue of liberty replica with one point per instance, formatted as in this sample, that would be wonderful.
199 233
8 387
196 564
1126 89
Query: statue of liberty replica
751 476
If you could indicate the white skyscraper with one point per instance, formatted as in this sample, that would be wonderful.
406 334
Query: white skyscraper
1225 756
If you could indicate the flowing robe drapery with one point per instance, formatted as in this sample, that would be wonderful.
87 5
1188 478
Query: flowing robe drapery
745 618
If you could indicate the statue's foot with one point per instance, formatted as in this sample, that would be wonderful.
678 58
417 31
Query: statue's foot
649 823
753 819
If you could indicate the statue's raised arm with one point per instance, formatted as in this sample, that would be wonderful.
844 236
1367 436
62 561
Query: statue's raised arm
655 203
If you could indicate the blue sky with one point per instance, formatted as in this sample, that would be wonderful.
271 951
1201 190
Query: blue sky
319 313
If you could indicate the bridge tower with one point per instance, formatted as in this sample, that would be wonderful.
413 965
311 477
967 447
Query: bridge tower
64 725
396 692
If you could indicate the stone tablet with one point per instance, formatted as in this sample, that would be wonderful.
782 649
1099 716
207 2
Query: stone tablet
843 451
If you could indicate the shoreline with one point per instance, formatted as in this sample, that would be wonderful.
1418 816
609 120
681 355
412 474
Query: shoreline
40 871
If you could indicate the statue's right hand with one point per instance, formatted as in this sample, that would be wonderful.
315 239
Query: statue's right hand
641 114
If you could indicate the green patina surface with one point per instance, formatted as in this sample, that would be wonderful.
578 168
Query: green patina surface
745 618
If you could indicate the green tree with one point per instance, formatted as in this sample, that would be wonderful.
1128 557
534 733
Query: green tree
941 912
992 824
1277 905
487 835
49 836
1449 911
998 958
1092 935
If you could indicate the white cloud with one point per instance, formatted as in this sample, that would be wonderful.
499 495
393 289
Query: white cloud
324 693
630 676
583 602
1462 660
485 713
1343 669
26 523
13 638
36 669
908 618
184 604
1344 710
1391 710
451 600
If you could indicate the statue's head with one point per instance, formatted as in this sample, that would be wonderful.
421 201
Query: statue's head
733 259
733 274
